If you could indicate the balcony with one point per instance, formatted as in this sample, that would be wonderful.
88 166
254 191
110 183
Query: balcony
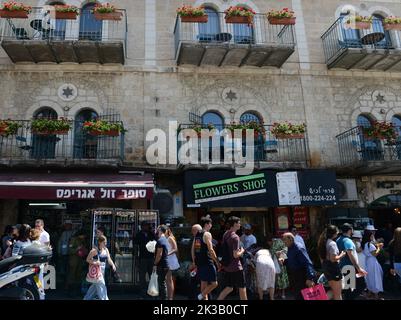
268 151
366 155
260 45
43 38
371 49
77 148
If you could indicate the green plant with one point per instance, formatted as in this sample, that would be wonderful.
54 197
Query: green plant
238 11
381 130
279 14
392 20
50 125
189 11
102 126
67 8
104 8
354 19
15 6
8 127
287 128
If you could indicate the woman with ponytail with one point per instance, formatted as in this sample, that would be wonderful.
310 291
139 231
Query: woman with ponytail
330 257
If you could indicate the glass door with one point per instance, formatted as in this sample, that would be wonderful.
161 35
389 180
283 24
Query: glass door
125 227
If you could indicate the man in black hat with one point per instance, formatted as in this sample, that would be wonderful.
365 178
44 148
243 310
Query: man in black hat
345 243
146 258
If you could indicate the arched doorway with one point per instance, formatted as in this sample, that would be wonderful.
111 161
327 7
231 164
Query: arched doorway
371 148
44 146
89 27
214 118
248 117
85 145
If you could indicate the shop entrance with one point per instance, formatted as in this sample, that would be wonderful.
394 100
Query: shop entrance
386 209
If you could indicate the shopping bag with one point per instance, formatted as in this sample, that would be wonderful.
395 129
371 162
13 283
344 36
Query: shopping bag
315 293
151 246
153 288
276 265
94 274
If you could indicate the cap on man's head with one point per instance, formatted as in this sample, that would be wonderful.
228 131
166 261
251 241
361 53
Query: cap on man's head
247 226
346 227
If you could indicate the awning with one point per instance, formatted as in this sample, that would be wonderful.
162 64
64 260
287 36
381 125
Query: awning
76 186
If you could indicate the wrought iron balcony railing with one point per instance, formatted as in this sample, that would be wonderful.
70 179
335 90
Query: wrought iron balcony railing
26 145
355 148
266 148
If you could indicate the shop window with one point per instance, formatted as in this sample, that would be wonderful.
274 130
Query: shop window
89 27
85 145
44 146
209 30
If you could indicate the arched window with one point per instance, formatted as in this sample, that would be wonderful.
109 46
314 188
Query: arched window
44 146
209 30
89 27
59 32
364 121
250 116
85 145
377 25
213 118
396 121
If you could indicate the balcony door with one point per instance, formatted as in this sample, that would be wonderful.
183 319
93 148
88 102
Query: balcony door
89 27
60 26
243 33
396 121
85 145
349 37
258 140
377 25
371 148
217 121
44 146
209 30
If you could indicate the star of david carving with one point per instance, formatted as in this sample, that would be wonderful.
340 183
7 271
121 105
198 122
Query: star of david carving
67 92
231 95
380 98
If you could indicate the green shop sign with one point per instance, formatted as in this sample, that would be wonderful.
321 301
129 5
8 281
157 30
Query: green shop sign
229 188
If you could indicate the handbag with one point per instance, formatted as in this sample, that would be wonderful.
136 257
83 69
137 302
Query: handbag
153 288
315 293
94 274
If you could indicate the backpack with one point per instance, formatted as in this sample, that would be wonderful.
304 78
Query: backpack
226 256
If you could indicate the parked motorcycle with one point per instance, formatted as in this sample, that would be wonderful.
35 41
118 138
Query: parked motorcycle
19 275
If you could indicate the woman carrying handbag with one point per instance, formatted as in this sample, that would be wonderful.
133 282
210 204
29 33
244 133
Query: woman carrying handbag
97 259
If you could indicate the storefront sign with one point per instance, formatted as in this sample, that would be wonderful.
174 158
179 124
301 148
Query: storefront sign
317 187
47 193
380 186
288 189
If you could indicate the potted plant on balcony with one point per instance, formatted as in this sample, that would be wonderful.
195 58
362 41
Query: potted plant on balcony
12 9
47 127
287 130
283 17
103 128
192 14
257 128
8 127
380 130
392 23
106 12
238 14
198 128
66 12
359 22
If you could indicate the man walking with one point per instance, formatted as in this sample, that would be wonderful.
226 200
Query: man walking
161 263
345 243
204 254
146 258
298 239
44 238
299 266
232 267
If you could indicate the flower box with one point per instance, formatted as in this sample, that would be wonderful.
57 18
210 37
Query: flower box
111 133
363 25
281 21
66 15
199 19
15 14
50 133
116 16
290 136
239 19
392 26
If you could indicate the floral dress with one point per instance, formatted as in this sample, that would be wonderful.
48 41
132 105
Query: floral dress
282 281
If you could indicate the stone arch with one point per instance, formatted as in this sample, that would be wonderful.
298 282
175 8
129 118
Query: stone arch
79 106
259 111
345 8
393 112
77 3
44 103
246 3
370 112
383 11
215 4
217 109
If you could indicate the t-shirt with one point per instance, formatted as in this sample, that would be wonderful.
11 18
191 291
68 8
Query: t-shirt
300 241
233 242
44 237
162 243
247 241
331 249
345 244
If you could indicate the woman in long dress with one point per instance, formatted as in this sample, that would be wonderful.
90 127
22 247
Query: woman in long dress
374 278
265 273
278 249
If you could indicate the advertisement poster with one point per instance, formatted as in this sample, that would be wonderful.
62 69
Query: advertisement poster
288 188
281 220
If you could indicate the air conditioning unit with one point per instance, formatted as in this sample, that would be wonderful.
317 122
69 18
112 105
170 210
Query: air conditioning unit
346 189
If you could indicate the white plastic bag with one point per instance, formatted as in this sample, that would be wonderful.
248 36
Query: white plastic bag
153 288
151 246
276 265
